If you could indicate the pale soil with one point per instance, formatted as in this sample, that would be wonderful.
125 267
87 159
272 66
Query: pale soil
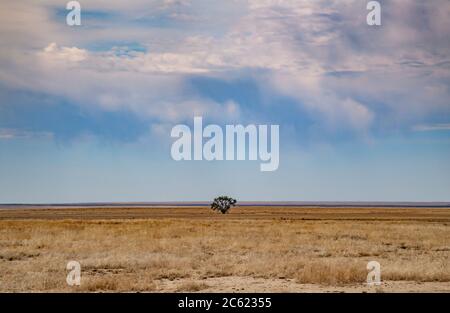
235 284
252 249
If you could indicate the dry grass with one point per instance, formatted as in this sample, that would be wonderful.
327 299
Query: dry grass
248 212
148 254
191 286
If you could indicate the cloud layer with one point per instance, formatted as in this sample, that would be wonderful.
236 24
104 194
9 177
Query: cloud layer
140 57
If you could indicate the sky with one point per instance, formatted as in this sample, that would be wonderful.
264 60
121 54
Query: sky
86 111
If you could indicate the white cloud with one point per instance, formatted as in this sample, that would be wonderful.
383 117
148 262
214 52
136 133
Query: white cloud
10 133
64 54
432 127
305 49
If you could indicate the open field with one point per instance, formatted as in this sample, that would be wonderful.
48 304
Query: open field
268 249
250 212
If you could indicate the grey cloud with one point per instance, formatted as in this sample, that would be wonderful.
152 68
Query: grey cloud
321 53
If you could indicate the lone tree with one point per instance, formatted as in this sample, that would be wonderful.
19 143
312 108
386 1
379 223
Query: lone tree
223 204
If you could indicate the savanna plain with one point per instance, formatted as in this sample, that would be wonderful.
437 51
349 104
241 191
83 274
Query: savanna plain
251 249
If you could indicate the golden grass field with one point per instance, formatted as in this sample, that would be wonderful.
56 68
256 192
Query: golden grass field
252 249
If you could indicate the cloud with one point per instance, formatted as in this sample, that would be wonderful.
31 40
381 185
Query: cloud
342 73
8 133
65 54
432 127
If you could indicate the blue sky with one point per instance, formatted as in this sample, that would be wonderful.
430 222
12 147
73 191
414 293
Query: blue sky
86 112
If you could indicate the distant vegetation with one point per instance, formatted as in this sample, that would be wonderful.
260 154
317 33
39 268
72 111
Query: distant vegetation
223 204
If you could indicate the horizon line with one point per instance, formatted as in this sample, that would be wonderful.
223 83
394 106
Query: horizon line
239 203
